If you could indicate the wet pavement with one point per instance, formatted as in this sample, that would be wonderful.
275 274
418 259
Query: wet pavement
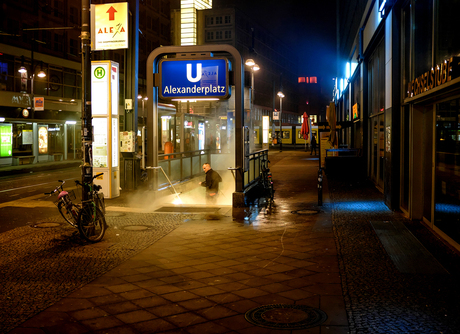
202 270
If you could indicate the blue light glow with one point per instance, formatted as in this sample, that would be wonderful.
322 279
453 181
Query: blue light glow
447 208
362 206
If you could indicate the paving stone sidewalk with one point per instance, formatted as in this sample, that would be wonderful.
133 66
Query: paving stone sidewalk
203 274
39 266
379 298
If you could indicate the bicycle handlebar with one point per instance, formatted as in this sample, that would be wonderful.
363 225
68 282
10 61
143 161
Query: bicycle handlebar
95 176
57 188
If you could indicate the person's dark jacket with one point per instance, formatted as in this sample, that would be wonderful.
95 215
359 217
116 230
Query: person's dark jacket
212 182
313 142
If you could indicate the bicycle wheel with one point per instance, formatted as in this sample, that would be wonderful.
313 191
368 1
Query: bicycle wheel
91 223
100 203
66 214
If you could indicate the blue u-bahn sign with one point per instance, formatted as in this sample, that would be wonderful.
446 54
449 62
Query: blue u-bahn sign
193 79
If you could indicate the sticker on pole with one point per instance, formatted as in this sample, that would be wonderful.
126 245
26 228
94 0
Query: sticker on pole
193 79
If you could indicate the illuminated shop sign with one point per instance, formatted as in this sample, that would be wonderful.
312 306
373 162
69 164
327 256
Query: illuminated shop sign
6 137
43 139
437 76
204 78
109 26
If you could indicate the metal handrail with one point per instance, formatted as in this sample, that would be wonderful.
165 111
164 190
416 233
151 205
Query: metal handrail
167 178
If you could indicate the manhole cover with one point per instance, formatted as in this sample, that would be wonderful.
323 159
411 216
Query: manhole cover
136 228
46 225
284 316
306 212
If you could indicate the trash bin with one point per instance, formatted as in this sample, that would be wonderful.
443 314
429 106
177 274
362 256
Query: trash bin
131 172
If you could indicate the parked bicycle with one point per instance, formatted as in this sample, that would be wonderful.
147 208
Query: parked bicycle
88 217
68 210
93 192
267 181
91 218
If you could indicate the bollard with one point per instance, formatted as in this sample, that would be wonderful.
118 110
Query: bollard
320 187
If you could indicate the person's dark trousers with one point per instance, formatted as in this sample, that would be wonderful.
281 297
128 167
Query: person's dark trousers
211 199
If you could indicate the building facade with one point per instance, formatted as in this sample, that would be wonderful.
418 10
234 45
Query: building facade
46 37
277 63
399 82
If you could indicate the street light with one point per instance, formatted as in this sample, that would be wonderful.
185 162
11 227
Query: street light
41 74
143 99
254 68
281 95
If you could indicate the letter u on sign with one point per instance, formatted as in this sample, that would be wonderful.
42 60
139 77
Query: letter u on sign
198 73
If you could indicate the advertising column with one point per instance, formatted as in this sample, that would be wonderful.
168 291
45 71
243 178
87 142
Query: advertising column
105 101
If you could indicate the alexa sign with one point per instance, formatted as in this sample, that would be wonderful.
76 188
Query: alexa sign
192 79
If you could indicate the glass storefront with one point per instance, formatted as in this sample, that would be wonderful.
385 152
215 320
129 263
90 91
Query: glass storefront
447 174
376 81
39 142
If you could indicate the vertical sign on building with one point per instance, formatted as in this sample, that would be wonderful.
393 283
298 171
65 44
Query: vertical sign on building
105 103
109 28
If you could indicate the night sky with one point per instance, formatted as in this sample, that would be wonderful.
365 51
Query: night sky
307 25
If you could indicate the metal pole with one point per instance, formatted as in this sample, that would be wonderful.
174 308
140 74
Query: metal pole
281 124
86 122
32 77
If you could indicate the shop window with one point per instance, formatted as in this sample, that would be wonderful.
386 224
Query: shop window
448 44
6 73
22 139
74 15
55 83
376 79
447 187
58 43
74 47
423 36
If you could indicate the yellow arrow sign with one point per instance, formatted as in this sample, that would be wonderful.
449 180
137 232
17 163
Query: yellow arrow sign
110 23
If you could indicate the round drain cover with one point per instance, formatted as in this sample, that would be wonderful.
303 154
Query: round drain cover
136 228
285 316
46 225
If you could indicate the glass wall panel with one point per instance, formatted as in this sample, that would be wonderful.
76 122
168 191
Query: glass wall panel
376 89
405 158
447 174
423 36
448 43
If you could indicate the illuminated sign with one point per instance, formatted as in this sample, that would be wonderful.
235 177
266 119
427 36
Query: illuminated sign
355 111
110 26
43 139
435 77
265 128
39 103
204 78
6 137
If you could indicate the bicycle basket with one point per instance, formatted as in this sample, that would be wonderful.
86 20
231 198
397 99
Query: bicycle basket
72 195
